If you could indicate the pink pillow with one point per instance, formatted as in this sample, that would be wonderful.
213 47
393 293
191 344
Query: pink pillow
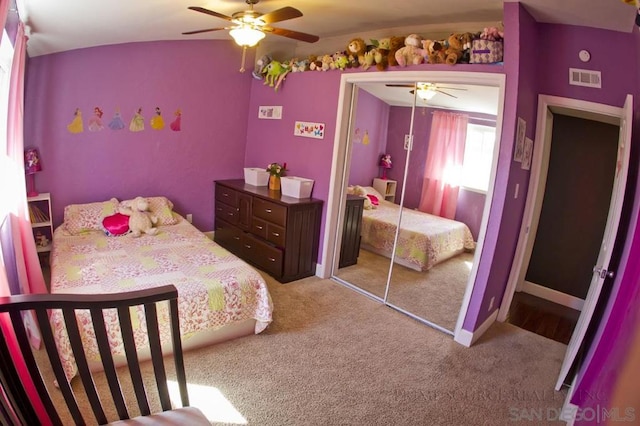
116 224
374 199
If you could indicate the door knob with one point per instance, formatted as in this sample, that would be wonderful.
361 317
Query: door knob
603 272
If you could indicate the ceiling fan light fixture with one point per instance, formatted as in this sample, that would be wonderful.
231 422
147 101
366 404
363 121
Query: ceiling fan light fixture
426 94
246 36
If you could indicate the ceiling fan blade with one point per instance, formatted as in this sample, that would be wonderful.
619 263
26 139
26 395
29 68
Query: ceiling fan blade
451 88
445 93
203 31
210 12
281 15
296 35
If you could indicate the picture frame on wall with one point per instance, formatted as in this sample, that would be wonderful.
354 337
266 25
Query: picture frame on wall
527 153
270 112
520 137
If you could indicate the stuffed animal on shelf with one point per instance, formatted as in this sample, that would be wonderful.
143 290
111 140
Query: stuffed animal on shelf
454 50
275 73
395 43
261 64
433 51
360 191
140 220
357 48
412 52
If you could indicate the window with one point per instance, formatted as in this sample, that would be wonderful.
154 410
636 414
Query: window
478 157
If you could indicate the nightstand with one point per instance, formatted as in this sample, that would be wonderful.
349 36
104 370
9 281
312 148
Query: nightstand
41 222
386 187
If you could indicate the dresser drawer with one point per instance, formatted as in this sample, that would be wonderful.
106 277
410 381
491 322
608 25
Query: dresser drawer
227 213
264 256
275 234
269 211
259 227
228 236
226 195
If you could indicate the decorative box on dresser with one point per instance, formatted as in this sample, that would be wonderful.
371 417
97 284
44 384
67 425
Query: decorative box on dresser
277 234
350 247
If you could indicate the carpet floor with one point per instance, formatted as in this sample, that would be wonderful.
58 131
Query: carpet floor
334 357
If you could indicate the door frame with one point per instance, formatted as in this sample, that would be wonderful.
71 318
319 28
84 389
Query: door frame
335 199
547 107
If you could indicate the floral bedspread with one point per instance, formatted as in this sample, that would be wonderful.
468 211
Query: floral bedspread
424 239
215 287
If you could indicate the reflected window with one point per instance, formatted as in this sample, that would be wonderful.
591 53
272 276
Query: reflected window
478 156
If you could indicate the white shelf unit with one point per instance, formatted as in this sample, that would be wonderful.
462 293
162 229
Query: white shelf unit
386 187
41 220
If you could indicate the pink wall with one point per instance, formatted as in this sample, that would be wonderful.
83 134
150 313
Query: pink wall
199 77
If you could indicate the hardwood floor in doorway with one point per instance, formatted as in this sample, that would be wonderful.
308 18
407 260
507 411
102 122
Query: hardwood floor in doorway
542 317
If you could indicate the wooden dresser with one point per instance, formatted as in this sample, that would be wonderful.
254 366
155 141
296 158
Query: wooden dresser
277 234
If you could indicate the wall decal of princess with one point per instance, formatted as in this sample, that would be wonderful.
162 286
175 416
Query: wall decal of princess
95 122
175 124
76 125
137 122
116 122
157 122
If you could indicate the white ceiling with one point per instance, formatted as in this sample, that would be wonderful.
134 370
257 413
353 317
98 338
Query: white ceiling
60 25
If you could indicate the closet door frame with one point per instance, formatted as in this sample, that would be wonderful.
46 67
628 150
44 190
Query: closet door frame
335 198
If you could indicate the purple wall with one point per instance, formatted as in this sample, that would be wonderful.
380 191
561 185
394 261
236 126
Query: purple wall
506 212
94 166
372 118
307 96
601 378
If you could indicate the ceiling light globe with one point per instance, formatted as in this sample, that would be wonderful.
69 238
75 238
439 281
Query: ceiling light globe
245 36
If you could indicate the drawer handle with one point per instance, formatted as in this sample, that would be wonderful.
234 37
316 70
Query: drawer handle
272 259
267 210
230 213
225 194
219 209
259 227
275 234
247 246
236 238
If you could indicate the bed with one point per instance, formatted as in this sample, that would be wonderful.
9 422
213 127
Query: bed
220 296
424 239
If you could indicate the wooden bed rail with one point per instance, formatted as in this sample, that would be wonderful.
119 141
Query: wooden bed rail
17 403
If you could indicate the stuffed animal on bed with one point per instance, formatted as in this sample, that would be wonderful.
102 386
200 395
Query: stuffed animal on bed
140 220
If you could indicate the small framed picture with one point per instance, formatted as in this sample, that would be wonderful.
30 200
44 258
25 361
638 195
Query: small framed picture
520 135
527 153
270 112
309 130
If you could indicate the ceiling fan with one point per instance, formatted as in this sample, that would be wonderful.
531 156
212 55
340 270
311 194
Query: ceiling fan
426 91
249 26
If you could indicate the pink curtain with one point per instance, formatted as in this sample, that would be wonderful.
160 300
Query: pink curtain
443 166
13 204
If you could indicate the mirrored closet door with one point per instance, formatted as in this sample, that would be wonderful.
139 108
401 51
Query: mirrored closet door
440 215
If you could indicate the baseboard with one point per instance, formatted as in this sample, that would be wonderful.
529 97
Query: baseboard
553 295
320 272
468 338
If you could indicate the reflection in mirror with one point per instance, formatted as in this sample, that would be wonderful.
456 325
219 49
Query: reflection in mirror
367 144
432 262
444 194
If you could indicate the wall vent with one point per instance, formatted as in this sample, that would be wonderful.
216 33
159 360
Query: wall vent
588 78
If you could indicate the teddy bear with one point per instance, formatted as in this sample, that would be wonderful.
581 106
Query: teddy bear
412 52
395 43
361 192
357 48
140 220
467 41
433 51
492 33
381 53
453 52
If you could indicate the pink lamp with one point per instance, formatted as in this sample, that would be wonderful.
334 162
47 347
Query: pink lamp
32 165
385 163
